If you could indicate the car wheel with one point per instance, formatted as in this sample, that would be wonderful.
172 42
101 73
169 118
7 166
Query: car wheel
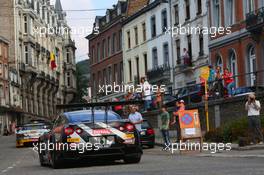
151 146
55 161
41 160
132 159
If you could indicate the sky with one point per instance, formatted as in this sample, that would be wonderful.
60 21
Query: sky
83 20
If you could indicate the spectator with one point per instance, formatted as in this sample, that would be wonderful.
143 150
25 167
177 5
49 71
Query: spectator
158 101
179 106
253 107
186 57
135 117
229 81
218 86
146 93
164 128
211 78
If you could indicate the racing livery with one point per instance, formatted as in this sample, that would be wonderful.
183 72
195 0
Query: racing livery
89 134
29 133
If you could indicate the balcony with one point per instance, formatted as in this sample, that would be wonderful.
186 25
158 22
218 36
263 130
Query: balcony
183 65
159 74
255 21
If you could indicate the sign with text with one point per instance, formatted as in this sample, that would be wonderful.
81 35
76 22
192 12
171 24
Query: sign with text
190 124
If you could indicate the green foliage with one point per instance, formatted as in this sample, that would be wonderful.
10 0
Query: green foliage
230 132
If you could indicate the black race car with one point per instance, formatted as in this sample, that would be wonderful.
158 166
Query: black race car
147 135
89 134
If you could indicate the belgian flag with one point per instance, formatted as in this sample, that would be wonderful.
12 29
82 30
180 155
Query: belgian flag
52 61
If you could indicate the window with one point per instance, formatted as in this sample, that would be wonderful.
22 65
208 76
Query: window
94 85
104 77
178 50
187 9
251 5
233 64
136 35
155 58
115 73
114 43
201 44
219 61
121 73
130 70
137 65
176 13
99 78
189 39
38 8
216 13
166 54
43 12
68 79
68 55
109 46
0 50
93 55
26 54
104 49
229 12
25 24
128 40
252 66
110 75
164 20
146 63
199 7
120 40
153 26
98 52
1 69
144 31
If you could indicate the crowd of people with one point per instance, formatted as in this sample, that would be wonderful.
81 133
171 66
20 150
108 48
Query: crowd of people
220 83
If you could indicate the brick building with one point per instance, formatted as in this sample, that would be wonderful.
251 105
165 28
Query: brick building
105 48
242 51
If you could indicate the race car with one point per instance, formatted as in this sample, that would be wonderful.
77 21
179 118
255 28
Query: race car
29 133
90 134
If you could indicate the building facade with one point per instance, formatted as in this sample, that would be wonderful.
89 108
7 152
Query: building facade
242 51
42 56
4 85
105 49
147 45
188 14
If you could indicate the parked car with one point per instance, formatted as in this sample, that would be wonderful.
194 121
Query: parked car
147 135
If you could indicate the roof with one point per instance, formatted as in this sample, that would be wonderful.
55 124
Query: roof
135 5
58 6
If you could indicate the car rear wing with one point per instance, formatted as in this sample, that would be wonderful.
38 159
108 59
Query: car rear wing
75 106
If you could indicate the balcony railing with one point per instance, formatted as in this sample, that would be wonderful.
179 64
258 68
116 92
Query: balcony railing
255 20
159 72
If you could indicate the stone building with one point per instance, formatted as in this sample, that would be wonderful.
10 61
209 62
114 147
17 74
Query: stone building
38 31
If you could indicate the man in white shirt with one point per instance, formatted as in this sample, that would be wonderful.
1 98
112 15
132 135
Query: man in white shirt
146 93
135 118
253 107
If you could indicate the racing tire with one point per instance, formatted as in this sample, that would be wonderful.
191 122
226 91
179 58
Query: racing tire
132 159
151 146
55 161
41 160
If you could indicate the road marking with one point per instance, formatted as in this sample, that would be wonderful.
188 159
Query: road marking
10 167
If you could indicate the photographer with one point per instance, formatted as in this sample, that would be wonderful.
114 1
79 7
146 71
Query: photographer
253 107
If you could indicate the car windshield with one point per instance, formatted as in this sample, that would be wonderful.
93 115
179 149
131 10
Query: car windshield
87 117
34 127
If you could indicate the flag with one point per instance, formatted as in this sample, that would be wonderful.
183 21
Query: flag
52 61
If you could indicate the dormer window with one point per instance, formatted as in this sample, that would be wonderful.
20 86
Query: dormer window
119 9
107 16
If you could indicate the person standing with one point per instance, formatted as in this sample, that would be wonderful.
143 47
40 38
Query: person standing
165 124
186 57
159 98
229 81
135 117
146 93
253 107
179 106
